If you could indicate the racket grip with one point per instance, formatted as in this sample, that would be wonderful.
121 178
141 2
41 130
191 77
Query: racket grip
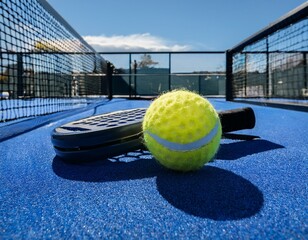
237 119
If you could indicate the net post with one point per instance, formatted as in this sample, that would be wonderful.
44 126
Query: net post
20 87
229 79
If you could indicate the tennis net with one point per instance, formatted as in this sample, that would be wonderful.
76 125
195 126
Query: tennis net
45 65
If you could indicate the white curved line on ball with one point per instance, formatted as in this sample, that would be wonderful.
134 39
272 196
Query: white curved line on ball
187 146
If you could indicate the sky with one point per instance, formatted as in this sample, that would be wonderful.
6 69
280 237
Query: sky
169 25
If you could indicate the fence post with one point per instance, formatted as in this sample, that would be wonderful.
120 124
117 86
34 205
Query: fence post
229 78
135 79
169 72
130 75
199 84
268 84
245 76
109 74
305 91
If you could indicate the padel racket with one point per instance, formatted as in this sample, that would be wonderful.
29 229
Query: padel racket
119 132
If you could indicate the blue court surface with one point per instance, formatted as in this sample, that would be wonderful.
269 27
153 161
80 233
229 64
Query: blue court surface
252 190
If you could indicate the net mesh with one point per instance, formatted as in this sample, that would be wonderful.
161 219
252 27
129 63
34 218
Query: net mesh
274 66
45 66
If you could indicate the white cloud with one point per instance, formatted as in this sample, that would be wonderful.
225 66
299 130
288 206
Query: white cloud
134 42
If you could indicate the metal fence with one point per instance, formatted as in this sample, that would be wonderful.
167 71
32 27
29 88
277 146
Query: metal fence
46 66
138 74
273 62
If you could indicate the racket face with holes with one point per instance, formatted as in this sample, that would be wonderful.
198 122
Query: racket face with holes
100 136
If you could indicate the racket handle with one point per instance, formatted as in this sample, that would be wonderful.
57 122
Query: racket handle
237 119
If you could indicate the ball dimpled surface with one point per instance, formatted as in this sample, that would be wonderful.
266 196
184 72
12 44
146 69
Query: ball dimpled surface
182 118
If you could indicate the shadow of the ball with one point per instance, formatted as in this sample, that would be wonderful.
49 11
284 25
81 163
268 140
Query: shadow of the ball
212 193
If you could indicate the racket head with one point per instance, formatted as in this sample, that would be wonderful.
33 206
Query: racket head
116 133
100 136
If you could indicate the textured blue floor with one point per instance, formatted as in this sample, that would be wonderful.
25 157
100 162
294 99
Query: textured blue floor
253 190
